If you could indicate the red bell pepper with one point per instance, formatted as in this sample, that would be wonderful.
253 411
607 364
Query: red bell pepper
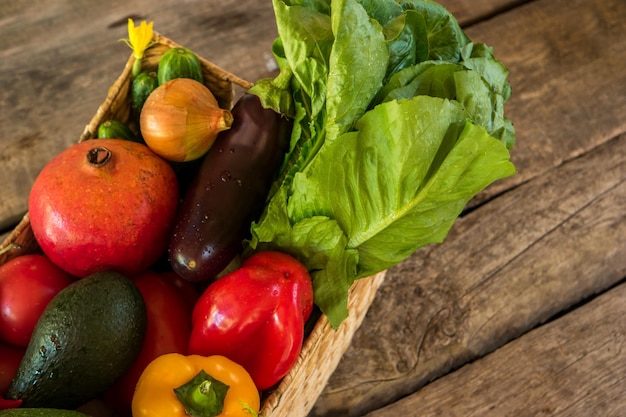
255 316
168 308
10 358
6 404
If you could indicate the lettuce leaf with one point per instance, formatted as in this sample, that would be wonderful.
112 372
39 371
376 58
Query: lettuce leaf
398 123
355 71
396 183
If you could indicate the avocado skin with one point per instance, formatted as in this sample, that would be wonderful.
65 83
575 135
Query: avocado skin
40 412
86 338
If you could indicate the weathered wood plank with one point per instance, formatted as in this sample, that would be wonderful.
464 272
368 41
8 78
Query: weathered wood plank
569 86
58 59
57 62
573 366
468 13
568 78
63 61
569 96
505 267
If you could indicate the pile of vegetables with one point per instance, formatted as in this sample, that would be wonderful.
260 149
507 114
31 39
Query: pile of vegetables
384 120
398 123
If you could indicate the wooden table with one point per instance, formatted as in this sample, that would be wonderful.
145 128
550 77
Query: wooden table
520 311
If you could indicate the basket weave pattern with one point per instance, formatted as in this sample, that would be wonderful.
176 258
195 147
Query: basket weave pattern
296 394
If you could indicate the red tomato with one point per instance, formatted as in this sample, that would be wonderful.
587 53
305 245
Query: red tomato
27 284
185 287
168 330
10 358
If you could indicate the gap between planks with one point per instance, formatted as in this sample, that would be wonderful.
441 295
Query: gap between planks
569 98
506 267
572 366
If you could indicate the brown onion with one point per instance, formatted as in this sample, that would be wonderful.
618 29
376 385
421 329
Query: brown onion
181 119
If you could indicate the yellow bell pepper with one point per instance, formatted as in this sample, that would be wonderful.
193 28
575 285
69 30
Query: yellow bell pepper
175 385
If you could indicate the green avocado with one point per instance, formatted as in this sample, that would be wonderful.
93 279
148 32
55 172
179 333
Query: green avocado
88 336
40 412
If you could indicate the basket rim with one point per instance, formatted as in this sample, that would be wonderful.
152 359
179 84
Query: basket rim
322 348
226 75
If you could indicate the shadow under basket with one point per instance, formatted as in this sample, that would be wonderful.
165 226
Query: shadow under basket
324 346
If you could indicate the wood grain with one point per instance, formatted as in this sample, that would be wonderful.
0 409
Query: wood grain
529 247
505 268
430 316
58 59
573 366
566 61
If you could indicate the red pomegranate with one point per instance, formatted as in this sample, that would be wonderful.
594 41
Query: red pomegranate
104 204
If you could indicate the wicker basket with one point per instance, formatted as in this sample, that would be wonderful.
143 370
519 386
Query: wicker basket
296 394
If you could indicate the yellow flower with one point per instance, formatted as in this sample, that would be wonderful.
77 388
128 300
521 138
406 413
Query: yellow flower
139 39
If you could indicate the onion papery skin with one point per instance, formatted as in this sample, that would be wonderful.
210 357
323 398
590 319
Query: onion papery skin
181 119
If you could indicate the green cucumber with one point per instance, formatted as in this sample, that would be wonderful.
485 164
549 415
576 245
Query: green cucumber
114 129
179 63
143 84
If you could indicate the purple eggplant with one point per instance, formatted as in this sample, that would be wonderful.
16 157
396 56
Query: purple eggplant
229 191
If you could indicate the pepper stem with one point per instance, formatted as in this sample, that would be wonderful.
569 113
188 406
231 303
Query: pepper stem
202 396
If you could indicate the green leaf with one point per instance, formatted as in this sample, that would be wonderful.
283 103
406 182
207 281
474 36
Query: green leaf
445 36
464 165
399 182
398 123
383 11
333 264
355 71
478 83
407 41
320 241
306 45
